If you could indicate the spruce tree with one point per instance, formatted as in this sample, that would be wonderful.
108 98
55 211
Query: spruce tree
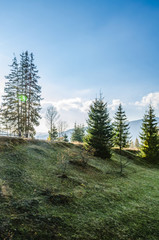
21 102
78 133
10 112
99 137
121 129
22 88
149 147
34 98
121 133
65 138
53 133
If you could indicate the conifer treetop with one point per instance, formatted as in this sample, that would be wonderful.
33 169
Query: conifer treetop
149 136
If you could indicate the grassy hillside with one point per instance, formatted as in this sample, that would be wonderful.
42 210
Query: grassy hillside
46 192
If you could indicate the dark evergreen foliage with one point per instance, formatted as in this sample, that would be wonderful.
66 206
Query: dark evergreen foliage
121 129
53 134
99 137
121 133
65 138
78 133
149 137
21 102
10 104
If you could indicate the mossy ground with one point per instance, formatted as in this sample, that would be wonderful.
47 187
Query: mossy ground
46 192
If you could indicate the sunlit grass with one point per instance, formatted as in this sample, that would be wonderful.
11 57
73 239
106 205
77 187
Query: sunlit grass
43 198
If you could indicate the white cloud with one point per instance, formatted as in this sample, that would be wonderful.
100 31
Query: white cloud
151 98
71 110
85 106
115 103
69 104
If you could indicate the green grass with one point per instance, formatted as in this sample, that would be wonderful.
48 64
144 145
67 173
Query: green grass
92 202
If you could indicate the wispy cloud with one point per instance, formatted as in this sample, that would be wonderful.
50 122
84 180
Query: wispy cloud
77 104
151 98
69 104
115 103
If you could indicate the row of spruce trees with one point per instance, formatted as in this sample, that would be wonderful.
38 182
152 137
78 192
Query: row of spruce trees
102 135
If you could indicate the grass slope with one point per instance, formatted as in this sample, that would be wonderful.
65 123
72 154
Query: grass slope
87 203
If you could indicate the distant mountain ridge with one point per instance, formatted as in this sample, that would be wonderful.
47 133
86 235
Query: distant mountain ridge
44 135
135 129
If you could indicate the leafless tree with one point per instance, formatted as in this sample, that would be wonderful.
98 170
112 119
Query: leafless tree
51 117
62 126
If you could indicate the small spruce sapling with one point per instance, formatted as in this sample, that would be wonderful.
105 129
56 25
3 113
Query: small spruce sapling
78 133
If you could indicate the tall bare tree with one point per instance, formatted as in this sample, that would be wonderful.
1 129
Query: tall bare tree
62 126
51 118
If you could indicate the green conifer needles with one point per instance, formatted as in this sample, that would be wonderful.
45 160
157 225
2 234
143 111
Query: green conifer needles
22 95
99 137
120 129
149 137
78 133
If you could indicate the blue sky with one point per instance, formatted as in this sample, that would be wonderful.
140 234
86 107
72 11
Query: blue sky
83 46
